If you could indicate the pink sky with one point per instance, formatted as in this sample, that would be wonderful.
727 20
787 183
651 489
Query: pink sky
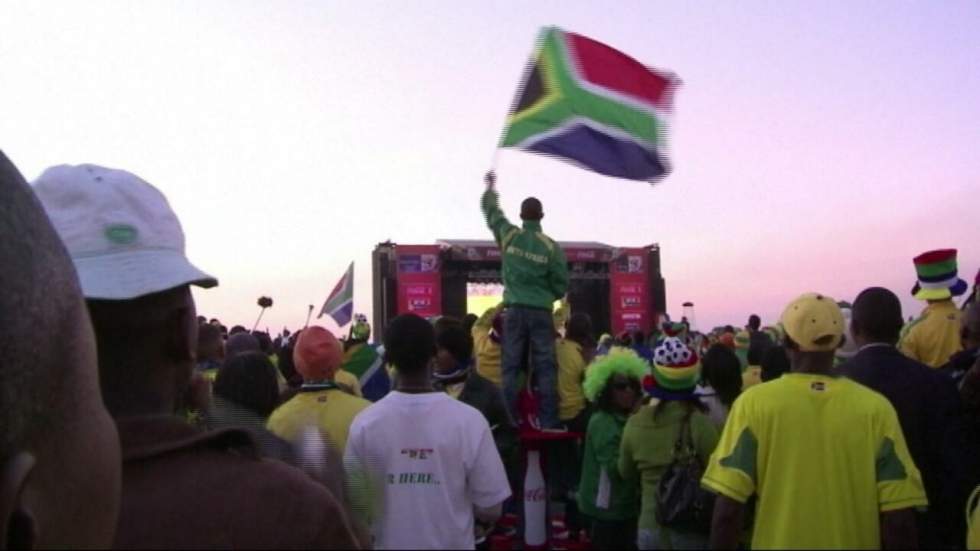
816 146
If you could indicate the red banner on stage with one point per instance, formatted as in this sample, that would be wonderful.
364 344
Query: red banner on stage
629 294
419 280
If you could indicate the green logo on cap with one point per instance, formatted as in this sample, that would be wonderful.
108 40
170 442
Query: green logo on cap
121 234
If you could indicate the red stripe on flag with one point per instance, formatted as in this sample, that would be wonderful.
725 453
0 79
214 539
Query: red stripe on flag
610 68
337 288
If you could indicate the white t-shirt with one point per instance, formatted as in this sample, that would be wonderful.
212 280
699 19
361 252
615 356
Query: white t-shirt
717 411
430 459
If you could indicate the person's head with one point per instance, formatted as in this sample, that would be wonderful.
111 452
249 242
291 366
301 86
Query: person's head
410 344
754 322
531 210
970 332
676 370
240 343
360 330
722 370
638 338
775 362
210 345
147 348
727 339
578 328
265 341
128 248
285 364
606 340
59 450
876 317
454 346
624 339
249 380
237 329
612 382
814 328
318 354
729 329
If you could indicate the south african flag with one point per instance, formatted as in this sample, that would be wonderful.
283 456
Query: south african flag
594 106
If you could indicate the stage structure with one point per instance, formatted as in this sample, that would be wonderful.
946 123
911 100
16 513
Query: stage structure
621 288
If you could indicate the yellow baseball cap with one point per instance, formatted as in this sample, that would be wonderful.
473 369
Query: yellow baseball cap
814 322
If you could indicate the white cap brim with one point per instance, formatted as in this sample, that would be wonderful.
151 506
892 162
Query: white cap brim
126 275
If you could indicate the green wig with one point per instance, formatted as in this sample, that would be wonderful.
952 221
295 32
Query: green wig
619 360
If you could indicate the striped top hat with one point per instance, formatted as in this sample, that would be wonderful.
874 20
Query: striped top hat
937 276
676 371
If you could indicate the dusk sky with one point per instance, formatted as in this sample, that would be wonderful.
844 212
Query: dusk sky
817 146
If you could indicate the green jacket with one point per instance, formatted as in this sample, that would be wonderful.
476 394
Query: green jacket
535 271
602 493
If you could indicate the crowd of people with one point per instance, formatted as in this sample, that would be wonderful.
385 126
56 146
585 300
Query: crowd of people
137 423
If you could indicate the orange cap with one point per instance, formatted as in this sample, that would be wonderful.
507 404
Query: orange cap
318 354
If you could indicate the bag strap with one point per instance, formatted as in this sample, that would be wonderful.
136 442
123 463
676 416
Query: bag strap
684 437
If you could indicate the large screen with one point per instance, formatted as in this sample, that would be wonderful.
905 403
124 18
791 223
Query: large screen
480 297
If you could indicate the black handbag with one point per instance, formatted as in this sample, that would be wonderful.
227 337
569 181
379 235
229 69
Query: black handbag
682 504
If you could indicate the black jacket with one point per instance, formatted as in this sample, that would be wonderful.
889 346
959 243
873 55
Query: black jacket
929 411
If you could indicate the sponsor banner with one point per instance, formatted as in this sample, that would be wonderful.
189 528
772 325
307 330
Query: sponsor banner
629 294
419 280
572 254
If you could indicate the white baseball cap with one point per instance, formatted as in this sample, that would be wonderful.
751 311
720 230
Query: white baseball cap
122 235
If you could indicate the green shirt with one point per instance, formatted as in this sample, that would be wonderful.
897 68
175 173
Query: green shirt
648 449
603 494
535 271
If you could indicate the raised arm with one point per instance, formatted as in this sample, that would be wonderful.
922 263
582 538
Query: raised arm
495 218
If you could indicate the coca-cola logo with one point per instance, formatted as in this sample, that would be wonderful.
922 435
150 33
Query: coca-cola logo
535 494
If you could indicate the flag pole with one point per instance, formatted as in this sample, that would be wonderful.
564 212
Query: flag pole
308 314
493 160
262 311
528 68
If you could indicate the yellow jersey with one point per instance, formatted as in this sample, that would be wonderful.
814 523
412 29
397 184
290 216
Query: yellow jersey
824 455
487 352
332 411
571 372
935 336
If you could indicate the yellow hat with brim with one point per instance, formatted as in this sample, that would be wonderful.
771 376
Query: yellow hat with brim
814 322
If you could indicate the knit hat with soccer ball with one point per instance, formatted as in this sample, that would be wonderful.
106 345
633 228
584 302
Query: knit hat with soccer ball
676 371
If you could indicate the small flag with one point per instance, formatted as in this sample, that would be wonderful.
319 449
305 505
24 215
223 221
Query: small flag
367 364
593 106
340 303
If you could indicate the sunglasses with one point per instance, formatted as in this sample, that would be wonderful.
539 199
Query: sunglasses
623 385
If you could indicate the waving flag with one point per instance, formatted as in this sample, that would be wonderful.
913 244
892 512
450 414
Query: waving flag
594 106
340 303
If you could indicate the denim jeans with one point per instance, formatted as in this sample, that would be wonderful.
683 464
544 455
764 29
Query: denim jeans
524 325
